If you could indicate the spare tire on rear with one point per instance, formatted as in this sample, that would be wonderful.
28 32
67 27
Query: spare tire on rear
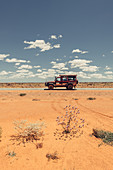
51 87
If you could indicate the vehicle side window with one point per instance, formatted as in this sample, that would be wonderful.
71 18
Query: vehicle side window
70 78
58 79
64 78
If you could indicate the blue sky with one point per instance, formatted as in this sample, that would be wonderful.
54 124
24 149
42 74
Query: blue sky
41 39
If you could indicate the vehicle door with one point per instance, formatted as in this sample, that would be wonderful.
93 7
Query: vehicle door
64 81
58 81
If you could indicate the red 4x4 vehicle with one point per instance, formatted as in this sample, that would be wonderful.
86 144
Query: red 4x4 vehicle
68 81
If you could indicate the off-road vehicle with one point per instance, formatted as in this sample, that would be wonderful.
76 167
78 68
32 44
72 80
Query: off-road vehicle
68 81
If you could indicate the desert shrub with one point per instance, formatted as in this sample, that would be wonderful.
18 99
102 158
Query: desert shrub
106 136
53 156
91 98
70 122
22 94
0 132
11 154
26 132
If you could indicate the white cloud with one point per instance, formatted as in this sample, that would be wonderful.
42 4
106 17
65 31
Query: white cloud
79 63
76 56
37 66
60 36
53 37
37 54
58 65
22 71
53 62
108 72
89 68
111 51
38 43
14 60
16 64
107 68
79 51
2 56
64 68
97 76
56 46
39 70
103 55
22 74
2 73
109 76
83 75
25 67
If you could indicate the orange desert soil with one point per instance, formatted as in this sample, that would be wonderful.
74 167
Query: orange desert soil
82 152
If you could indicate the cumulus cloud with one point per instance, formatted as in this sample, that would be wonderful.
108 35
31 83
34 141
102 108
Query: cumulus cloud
2 73
56 46
97 76
53 37
111 51
16 64
76 56
79 51
2 56
40 44
79 63
60 36
37 66
47 74
14 60
58 65
108 72
22 71
39 70
89 68
64 68
107 68
25 67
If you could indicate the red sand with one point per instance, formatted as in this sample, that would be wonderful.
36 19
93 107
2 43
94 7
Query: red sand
82 153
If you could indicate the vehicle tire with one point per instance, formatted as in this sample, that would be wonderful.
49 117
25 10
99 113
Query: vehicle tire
70 87
51 87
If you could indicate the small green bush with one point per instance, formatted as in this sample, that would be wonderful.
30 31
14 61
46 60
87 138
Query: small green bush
22 94
106 136
91 98
11 154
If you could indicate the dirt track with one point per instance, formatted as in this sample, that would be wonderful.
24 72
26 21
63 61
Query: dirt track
80 153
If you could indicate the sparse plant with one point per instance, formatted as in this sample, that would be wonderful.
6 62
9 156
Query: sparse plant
91 98
0 132
22 94
11 154
53 156
70 122
106 136
26 132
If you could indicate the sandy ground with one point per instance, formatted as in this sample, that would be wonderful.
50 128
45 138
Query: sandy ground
80 153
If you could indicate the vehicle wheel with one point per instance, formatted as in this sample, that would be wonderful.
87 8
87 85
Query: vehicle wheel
70 87
51 87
